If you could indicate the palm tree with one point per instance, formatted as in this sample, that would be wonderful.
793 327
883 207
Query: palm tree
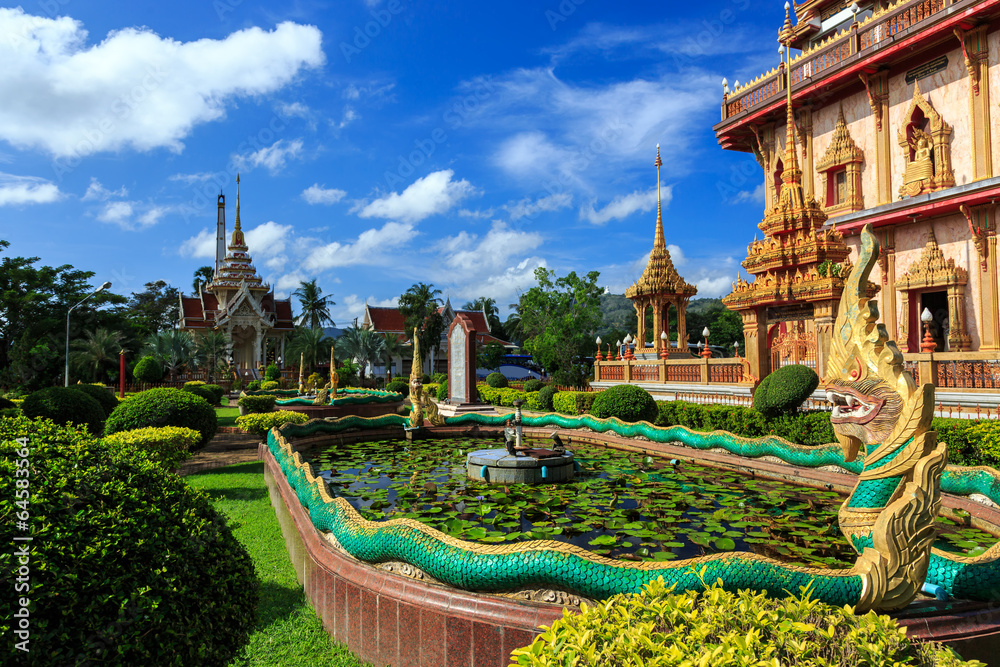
96 352
392 347
209 350
362 345
203 275
173 348
419 306
311 344
489 307
315 307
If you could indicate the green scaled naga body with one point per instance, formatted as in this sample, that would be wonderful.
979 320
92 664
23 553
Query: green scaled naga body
889 517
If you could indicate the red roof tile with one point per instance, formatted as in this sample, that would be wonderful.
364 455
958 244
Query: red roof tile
192 308
386 319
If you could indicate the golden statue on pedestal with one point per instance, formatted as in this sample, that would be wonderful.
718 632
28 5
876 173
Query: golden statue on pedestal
921 167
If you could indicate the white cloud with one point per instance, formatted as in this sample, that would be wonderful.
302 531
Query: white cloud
97 192
320 194
466 252
294 109
268 239
350 115
118 213
623 206
526 208
273 157
17 190
427 196
477 214
755 196
530 152
368 248
190 179
201 245
133 89
677 255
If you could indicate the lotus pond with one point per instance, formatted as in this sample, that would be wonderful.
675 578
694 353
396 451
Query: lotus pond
622 505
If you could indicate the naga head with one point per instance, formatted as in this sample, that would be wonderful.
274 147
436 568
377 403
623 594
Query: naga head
417 367
865 377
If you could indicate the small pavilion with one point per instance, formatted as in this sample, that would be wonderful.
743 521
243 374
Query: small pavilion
660 287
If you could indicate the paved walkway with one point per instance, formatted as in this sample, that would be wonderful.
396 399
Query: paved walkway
225 449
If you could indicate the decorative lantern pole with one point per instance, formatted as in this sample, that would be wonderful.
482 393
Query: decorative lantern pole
619 346
928 345
706 352
598 357
302 381
121 374
665 345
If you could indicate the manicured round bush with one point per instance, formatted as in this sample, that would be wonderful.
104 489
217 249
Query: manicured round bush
400 386
425 378
254 385
107 399
258 403
268 385
625 401
164 407
167 446
533 384
716 627
272 372
148 369
544 399
217 393
784 390
260 423
129 566
442 390
64 405
200 390
438 378
6 403
496 380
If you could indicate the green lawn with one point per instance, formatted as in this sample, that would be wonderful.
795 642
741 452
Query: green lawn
227 416
288 630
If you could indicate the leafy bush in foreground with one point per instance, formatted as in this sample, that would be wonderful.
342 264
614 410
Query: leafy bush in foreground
129 566
101 394
168 446
164 407
784 390
400 386
260 423
496 380
723 629
258 403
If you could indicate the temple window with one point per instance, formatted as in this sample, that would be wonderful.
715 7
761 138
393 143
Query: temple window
841 167
925 140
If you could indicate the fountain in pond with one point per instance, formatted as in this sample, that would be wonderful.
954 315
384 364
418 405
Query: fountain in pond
517 464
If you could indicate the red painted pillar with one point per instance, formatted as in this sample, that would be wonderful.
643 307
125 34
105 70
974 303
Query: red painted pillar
121 374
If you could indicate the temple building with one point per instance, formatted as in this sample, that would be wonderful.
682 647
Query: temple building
657 289
237 302
882 116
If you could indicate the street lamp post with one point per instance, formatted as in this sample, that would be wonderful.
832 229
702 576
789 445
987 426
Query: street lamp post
99 289
664 345
706 352
928 344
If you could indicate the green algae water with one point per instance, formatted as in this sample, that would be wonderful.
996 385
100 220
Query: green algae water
622 505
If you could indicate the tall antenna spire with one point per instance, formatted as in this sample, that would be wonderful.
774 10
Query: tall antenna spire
237 200
659 240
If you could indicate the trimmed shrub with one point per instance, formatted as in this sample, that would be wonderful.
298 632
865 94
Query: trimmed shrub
502 396
626 402
442 391
200 390
131 566
254 385
573 402
431 389
64 405
217 393
400 386
100 394
148 369
544 398
496 380
716 627
784 390
533 385
167 446
268 385
272 372
258 403
260 423
438 378
164 407
984 436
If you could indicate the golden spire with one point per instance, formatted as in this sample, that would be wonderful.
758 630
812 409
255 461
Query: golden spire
659 241
237 200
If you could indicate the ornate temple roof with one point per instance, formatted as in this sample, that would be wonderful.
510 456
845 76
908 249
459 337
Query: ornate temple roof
237 268
660 277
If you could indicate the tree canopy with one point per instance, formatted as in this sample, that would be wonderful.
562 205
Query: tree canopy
559 318
315 307
419 306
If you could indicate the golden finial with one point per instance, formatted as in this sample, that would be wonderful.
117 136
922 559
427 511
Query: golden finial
659 239
237 200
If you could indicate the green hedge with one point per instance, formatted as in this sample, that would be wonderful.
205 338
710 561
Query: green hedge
400 386
533 385
148 369
573 402
164 407
101 394
544 398
500 395
260 423
129 566
268 385
626 402
784 390
723 629
258 403
201 390
65 406
442 390
167 446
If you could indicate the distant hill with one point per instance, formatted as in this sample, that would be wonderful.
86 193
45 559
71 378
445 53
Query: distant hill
616 313
333 332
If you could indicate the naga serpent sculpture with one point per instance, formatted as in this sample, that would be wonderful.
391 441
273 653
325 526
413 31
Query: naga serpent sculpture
888 518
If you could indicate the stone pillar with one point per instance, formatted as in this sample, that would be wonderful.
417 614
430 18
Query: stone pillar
877 86
805 129
903 342
755 343
823 317
958 339
888 293
682 333
657 317
989 295
977 61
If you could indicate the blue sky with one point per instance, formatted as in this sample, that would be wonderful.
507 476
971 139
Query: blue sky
379 142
